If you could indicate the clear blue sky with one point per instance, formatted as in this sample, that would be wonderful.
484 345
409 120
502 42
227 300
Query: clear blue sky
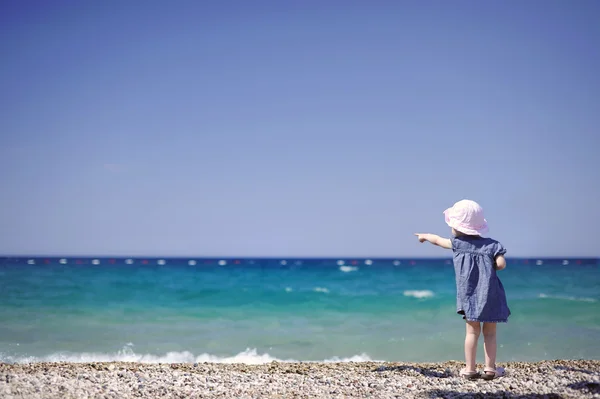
307 128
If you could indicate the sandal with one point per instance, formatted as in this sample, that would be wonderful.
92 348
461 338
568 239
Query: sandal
469 375
490 373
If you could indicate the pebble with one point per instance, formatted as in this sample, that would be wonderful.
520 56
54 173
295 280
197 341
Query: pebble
567 379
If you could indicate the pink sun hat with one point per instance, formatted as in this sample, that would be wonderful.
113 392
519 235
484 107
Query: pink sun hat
466 216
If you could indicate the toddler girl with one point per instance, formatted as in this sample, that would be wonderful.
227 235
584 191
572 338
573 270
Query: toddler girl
480 296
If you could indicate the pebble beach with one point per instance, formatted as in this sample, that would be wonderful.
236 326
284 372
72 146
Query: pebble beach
545 379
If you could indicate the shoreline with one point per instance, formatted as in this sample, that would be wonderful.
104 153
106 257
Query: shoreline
544 379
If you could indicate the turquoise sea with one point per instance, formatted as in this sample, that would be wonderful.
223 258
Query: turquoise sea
259 310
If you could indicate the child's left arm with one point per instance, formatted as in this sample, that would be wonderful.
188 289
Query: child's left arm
435 240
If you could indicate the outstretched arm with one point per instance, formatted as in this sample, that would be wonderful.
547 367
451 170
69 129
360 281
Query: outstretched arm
435 240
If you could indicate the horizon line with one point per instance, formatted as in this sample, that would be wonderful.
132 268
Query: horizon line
229 257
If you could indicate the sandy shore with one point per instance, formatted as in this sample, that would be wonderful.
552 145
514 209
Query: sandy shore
547 379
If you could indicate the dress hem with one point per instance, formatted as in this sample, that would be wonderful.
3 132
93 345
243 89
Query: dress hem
462 312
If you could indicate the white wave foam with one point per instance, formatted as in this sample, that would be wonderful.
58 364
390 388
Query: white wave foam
356 358
288 289
568 298
419 293
249 356
321 289
347 269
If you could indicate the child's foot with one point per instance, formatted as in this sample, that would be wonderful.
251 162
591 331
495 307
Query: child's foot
469 375
490 373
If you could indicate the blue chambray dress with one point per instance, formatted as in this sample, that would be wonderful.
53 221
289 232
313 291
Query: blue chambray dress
480 294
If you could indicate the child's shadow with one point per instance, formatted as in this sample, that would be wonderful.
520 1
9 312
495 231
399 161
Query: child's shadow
439 393
589 387
566 368
428 372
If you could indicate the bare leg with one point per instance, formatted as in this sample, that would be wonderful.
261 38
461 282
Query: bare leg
489 344
473 331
